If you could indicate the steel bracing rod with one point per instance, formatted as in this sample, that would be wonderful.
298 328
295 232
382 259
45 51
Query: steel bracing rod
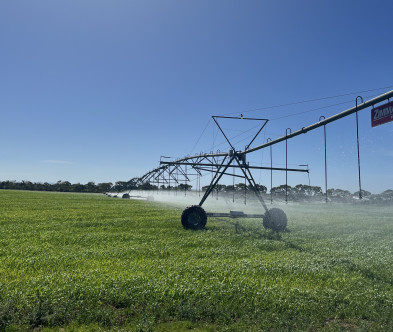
222 132
161 175
263 126
236 166
154 175
148 178
241 118
216 178
158 179
144 177
252 183
256 190
184 174
174 169
172 175
237 118
230 174
151 174
211 160
161 172
197 170
177 167
215 159
205 156
335 117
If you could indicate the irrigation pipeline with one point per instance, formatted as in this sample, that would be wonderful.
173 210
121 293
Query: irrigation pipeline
333 118
209 159
303 130
194 217
197 160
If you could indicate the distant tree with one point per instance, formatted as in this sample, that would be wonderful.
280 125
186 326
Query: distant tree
47 186
132 184
220 187
230 188
66 186
339 194
120 186
315 191
7 185
77 187
27 185
240 186
184 186
384 197
261 188
280 190
365 193
62 186
104 187
387 193
91 187
302 190
147 186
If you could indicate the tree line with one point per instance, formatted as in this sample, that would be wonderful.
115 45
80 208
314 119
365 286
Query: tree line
62 186
294 193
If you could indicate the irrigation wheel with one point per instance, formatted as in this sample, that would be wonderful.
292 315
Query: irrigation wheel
194 217
275 219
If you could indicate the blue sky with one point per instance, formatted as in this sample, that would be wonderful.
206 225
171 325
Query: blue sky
99 90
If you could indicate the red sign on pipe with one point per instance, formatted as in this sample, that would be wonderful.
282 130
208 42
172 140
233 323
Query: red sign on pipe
382 114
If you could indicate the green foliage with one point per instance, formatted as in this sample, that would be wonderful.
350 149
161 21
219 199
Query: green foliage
61 186
87 262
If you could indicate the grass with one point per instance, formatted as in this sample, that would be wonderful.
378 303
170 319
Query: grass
86 262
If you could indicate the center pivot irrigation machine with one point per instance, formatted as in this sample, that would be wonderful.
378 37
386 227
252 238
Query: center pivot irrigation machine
194 217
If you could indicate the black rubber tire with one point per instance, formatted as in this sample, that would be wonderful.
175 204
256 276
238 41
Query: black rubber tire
194 217
275 219
125 196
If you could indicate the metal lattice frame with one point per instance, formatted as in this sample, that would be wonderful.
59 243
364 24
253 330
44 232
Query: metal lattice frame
219 163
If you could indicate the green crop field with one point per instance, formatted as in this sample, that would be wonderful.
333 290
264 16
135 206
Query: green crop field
87 262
